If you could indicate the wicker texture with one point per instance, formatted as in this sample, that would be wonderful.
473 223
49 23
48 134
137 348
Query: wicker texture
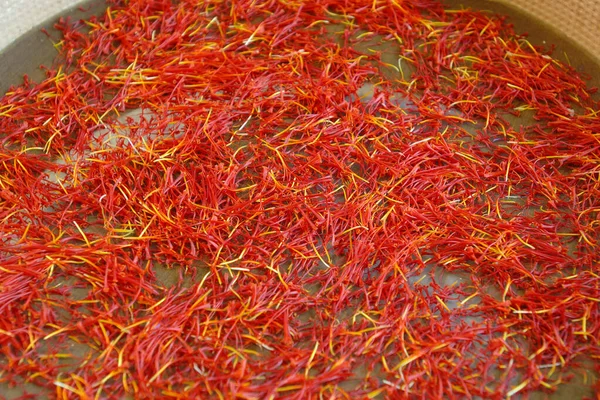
577 19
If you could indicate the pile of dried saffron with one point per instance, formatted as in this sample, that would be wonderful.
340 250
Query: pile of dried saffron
298 199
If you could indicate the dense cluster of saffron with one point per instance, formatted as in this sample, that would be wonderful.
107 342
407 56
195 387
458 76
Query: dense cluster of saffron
298 199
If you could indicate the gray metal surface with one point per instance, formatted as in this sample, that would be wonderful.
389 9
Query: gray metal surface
19 16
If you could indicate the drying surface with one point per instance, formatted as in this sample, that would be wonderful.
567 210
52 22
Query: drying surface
578 19
437 271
